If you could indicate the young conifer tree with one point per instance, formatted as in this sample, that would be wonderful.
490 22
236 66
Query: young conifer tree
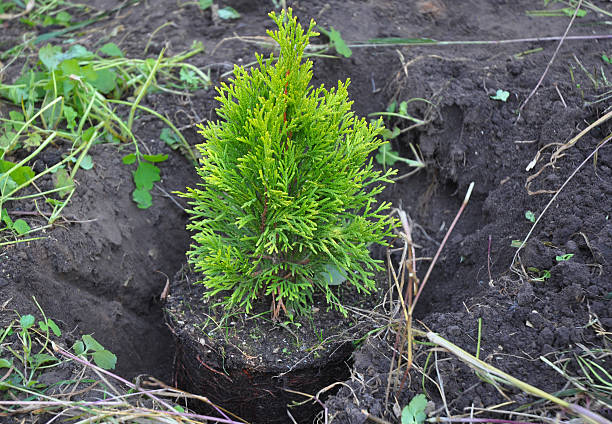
287 200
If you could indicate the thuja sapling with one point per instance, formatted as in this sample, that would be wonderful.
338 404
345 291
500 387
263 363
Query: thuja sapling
287 204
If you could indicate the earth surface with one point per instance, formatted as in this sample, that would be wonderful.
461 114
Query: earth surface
102 270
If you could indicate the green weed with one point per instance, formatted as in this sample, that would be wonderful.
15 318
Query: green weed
414 412
388 157
70 97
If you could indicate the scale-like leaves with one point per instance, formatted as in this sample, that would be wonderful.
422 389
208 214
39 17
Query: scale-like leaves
286 205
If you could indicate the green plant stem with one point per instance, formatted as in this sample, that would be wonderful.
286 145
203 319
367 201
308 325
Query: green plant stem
167 122
479 338
144 88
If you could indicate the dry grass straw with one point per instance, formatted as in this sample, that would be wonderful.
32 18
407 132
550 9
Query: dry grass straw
595 374
97 395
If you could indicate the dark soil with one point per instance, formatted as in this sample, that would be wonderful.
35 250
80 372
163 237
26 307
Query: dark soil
254 366
105 276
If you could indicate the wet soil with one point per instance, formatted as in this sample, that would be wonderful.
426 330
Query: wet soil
104 276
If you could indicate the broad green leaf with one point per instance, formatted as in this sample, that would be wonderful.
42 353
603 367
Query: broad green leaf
205 4
189 77
78 347
70 66
70 114
155 158
63 181
87 162
145 175
168 137
40 358
142 198
54 328
91 343
501 95
50 56
390 134
414 412
228 13
105 81
21 227
333 275
5 363
129 159
6 218
88 74
21 175
337 41
17 116
63 18
26 321
7 184
111 49
33 140
87 134
105 359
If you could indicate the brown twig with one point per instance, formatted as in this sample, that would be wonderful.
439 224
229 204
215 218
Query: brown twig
437 255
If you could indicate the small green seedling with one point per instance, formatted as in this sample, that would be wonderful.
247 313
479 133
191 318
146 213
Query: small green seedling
89 346
501 95
145 175
542 275
530 216
228 13
606 59
19 226
336 41
563 258
414 412
388 157
205 4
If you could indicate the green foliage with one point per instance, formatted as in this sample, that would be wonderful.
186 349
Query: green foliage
387 157
563 258
70 95
501 95
145 175
337 42
287 201
228 13
414 412
530 216
90 346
